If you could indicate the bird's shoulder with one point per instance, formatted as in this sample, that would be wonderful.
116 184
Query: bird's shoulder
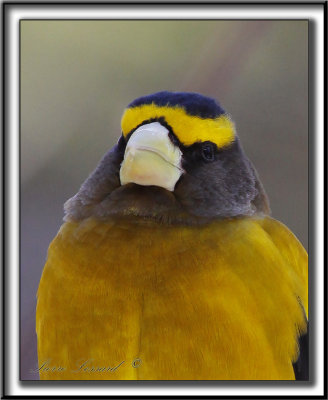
289 247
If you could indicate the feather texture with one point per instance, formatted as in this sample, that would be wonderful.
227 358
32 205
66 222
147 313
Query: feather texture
224 300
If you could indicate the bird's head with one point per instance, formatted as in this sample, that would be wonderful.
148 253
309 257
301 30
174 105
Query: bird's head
178 161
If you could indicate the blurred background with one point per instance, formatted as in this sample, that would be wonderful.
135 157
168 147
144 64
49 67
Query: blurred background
77 77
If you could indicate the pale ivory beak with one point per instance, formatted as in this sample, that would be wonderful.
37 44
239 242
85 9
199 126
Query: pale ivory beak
151 158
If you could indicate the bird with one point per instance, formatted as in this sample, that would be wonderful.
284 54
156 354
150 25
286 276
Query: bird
168 264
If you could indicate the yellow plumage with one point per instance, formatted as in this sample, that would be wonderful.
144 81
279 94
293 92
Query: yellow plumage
188 129
218 301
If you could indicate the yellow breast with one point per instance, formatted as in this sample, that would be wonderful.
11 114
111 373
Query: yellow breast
144 301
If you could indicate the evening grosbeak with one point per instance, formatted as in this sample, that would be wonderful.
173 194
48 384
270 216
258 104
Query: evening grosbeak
168 266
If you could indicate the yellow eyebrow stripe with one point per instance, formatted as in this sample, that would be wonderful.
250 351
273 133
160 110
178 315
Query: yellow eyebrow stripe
188 128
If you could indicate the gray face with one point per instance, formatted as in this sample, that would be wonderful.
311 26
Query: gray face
216 183
228 186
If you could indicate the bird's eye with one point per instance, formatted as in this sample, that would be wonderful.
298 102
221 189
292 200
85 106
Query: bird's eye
208 151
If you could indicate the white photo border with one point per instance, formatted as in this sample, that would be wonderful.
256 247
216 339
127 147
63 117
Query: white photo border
315 13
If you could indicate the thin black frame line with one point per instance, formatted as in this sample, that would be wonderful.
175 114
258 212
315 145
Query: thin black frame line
161 3
19 122
159 19
325 192
309 198
3 196
20 332
19 195
161 397
308 194
20 174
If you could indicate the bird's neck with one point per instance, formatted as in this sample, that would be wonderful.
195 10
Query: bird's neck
142 205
